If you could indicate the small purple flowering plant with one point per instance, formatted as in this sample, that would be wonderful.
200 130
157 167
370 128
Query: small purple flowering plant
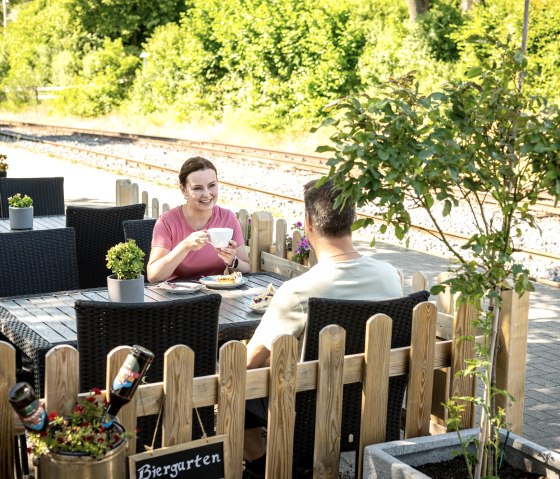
303 249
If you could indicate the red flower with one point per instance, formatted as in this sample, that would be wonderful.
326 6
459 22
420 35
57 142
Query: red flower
79 409
96 390
85 423
100 439
60 440
52 415
91 399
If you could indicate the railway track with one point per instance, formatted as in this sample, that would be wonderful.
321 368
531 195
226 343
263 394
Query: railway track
308 163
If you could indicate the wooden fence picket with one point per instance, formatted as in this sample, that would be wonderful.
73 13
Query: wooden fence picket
61 379
330 374
7 429
377 355
178 375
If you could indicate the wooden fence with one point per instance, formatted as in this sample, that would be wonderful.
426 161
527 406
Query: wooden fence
427 361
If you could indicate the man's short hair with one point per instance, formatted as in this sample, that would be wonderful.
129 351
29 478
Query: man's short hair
319 205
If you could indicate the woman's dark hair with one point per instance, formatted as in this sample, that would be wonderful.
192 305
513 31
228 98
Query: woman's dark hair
319 205
193 164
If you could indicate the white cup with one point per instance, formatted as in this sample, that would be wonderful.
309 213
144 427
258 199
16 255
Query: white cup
220 237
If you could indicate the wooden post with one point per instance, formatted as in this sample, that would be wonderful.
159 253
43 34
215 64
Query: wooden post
281 407
145 199
178 374
122 192
155 208
231 401
445 303
61 379
461 351
244 220
281 232
512 355
421 371
7 380
261 237
326 456
419 281
377 356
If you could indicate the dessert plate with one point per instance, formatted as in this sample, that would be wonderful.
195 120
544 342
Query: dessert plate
180 287
212 282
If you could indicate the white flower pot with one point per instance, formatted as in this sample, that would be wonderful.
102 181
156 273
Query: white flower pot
21 218
125 290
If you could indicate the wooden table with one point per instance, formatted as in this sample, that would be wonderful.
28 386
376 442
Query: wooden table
39 223
37 323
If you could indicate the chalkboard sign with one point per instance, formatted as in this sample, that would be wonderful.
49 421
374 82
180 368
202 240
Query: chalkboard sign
205 459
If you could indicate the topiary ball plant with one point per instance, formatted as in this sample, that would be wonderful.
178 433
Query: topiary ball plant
126 260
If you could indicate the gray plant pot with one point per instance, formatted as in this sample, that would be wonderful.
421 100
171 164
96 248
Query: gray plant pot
125 290
21 218
396 459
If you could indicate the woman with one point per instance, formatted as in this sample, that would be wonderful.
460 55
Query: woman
180 244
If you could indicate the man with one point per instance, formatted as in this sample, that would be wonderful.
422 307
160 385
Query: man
340 273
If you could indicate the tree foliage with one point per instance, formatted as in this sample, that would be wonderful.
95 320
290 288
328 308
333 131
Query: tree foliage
478 138
268 63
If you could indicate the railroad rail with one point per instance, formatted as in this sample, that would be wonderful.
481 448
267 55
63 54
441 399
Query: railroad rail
309 163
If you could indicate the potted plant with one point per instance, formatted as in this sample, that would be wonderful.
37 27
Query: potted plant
126 262
3 165
451 150
20 212
78 445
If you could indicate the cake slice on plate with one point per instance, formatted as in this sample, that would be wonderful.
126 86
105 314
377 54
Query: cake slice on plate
261 302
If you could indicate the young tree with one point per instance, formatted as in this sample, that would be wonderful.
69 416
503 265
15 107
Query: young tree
479 139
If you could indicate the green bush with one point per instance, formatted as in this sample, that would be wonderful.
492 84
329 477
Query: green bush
102 84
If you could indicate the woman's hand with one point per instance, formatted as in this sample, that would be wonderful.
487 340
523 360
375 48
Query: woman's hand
228 254
195 240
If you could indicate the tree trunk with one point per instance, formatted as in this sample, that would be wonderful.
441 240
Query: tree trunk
415 7
466 5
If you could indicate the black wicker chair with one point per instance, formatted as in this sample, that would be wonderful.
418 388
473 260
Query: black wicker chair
157 326
97 229
141 231
38 261
352 316
47 194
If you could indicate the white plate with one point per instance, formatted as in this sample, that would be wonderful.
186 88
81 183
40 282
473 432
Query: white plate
255 310
212 282
180 287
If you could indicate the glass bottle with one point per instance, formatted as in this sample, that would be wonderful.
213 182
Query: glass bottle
26 403
126 381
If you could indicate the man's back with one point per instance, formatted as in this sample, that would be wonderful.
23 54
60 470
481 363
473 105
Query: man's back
361 278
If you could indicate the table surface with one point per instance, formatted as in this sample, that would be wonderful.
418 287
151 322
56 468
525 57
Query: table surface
37 323
39 223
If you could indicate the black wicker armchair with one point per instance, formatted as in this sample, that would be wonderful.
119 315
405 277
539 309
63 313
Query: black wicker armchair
157 326
352 316
38 261
141 231
97 230
47 194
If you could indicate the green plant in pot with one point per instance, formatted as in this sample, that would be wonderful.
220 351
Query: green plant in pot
20 212
126 262
449 152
